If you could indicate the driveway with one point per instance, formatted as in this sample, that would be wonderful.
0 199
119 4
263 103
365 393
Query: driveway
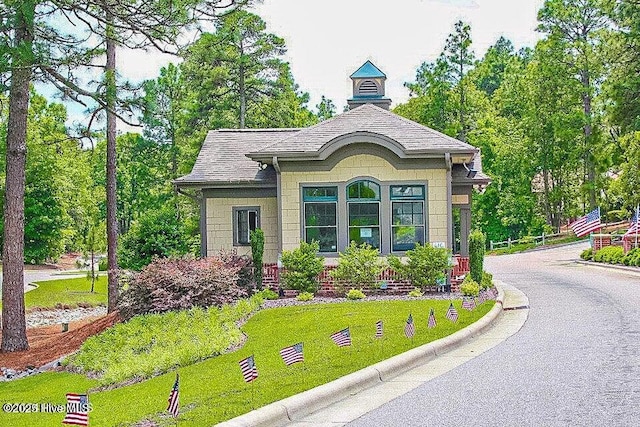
31 276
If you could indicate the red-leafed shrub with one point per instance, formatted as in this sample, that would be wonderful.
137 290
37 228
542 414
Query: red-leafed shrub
179 283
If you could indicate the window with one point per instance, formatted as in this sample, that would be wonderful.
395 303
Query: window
407 216
245 220
363 200
320 217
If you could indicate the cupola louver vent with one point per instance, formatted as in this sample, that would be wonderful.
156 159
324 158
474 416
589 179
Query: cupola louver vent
368 87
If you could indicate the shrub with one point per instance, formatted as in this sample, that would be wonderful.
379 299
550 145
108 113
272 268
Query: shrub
609 254
243 264
301 267
487 280
256 238
103 264
425 266
358 265
632 257
355 294
477 241
304 296
469 287
180 283
268 294
587 254
415 293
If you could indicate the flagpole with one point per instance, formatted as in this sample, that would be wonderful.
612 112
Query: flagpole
637 224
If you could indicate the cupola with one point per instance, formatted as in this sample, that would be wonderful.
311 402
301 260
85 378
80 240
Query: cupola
368 87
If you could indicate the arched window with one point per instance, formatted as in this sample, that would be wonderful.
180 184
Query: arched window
363 201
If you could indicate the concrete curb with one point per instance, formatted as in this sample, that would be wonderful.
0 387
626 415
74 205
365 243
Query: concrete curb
610 266
298 406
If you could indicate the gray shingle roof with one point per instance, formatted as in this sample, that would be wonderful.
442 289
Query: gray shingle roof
222 157
413 137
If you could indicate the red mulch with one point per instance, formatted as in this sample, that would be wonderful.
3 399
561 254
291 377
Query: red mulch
49 343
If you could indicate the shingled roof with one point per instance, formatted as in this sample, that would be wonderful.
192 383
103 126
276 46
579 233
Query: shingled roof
413 137
222 157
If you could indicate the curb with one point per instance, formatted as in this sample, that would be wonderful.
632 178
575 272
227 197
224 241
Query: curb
610 266
300 405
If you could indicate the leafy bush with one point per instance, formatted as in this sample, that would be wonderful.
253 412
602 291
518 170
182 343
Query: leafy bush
151 344
358 265
179 283
268 294
304 296
355 294
487 280
256 238
243 264
587 254
609 254
156 234
415 293
301 267
103 264
425 266
469 287
632 257
477 241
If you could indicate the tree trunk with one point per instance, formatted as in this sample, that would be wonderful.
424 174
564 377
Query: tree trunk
112 220
242 89
588 130
14 327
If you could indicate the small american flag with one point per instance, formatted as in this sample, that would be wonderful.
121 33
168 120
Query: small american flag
452 313
586 224
77 410
292 354
432 320
342 338
634 224
468 303
249 369
173 407
482 297
379 329
409 327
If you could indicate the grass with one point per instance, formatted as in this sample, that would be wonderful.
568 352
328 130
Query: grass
70 293
521 247
213 390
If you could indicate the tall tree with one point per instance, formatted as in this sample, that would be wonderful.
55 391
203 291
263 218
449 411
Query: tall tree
326 109
459 56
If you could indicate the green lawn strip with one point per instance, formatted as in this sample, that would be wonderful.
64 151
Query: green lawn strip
213 390
69 292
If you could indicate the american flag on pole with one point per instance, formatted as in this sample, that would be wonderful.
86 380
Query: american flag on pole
468 303
77 410
173 407
482 297
292 354
342 338
586 224
432 320
452 313
379 329
249 369
409 327
634 224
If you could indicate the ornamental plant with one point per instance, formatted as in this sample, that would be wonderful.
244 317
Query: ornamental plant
355 294
477 241
304 296
487 280
609 254
301 267
256 238
358 266
425 265
415 293
469 287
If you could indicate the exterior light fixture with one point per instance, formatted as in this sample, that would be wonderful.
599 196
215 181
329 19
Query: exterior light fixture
471 173
262 166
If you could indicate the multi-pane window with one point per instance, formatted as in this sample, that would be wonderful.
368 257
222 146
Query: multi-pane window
363 200
320 217
407 216
245 220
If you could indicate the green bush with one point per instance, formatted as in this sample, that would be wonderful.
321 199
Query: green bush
469 287
425 265
268 294
415 293
587 254
358 265
304 296
103 264
256 238
610 255
632 258
355 294
301 267
487 280
477 241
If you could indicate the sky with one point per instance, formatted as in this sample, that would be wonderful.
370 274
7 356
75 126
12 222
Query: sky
327 40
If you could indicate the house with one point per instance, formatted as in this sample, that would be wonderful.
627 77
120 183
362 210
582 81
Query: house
367 175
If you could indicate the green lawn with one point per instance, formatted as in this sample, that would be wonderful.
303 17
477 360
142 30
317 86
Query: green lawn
213 390
68 292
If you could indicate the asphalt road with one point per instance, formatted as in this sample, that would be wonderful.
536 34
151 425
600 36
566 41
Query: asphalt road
575 362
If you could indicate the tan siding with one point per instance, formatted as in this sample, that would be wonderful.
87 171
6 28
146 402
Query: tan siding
220 225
